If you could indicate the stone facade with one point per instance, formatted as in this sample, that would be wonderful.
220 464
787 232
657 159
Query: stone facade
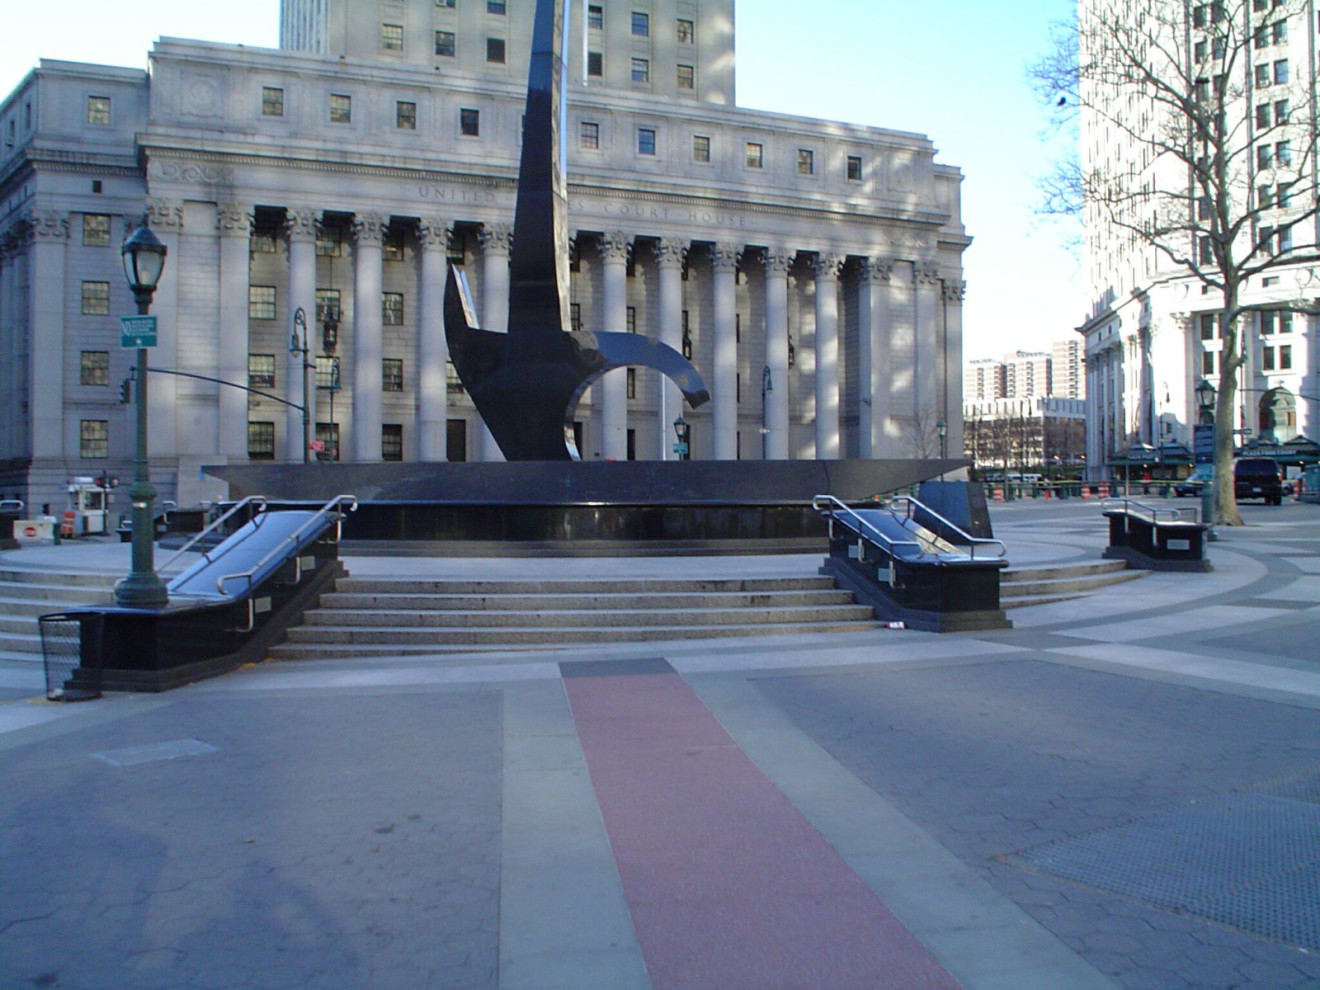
811 269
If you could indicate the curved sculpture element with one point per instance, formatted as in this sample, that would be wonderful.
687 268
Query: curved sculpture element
527 387
526 383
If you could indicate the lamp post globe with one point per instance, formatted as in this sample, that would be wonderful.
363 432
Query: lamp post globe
144 259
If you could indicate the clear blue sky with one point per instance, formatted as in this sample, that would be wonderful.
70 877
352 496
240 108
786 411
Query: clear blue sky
951 69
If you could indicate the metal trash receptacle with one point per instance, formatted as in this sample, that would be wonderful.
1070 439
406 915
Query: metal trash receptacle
73 666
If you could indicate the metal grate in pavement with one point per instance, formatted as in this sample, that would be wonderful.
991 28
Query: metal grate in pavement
1249 860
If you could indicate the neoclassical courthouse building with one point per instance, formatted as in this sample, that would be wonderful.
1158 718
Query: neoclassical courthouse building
812 270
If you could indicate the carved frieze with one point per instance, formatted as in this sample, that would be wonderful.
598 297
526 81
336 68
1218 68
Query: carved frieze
877 269
926 273
233 219
165 213
201 172
48 225
955 292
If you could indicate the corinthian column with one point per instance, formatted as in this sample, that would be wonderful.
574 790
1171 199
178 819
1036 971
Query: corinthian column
951 354
874 358
827 356
614 386
300 224
724 385
671 255
48 235
432 348
495 240
234 225
926 407
777 264
369 233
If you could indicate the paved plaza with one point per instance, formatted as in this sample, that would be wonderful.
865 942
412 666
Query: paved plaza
1122 791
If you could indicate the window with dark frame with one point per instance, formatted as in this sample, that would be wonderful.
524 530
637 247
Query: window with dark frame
687 33
1285 357
645 141
327 434
469 122
327 373
495 7
595 17
854 168
261 370
391 245
261 302
341 108
687 77
641 70
405 115
495 50
391 37
632 383
755 154
391 374
806 161
595 64
327 306
1209 324
94 368
391 441
575 316
700 148
96 230
94 439
445 44
96 298
641 24
329 241
261 441
391 309
98 111
590 134
631 319
272 101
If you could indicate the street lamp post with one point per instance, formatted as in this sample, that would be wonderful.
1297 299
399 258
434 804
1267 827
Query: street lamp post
1206 396
144 259
298 345
683 446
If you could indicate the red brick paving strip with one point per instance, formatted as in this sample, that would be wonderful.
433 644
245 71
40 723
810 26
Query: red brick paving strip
728 884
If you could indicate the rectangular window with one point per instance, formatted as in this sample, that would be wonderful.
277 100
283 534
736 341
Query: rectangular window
687 77
446 3
327 373
391 245
272 101
854 168
687 32
1267 358
1261 38
495 7
1283 195
1203 208
327 306
575 316
391 374
391 442
1281 71
1199 18
595 17
94 368
1209 323
1285 357
631 319
1264 156
391 305
405 115
469 122
1262 115
261 302
94 438
261 441
1281 112
1265 322
755 155
329 241
444 43
96 230
1262 76
1280 32
641 70
645 141
1283 152
341 108
1285 239
391 37
1285 321
1205 253
806 161
595 64
641 24
1265 197
700 148
590 134
98 111
632 383
327 435
495 50
261 370
1208 363
96 298
1199 51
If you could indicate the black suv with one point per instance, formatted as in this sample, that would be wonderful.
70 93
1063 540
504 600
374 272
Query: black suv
1258 477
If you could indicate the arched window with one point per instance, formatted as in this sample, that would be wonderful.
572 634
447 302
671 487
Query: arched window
1278 415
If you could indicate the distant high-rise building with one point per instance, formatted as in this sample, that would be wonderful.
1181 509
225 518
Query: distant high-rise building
1068 369
1027 375
983 380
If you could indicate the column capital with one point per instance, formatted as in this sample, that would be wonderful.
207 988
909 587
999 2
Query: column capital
47 225
877 269
926 273
614 247
233 219
166 213
301 223
495 238
433 233
370 228
955 292
671 252
778 261
724 257
826 266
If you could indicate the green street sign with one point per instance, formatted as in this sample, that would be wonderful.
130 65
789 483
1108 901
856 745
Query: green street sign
137 331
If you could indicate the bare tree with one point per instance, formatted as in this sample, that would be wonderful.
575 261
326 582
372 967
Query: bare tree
1215 176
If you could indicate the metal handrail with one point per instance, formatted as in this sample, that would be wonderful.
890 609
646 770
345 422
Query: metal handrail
972 541
12 505
257 500
330 506
1148 513
830 504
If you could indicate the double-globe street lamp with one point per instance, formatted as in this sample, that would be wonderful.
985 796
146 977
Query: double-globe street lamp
298 344
144 259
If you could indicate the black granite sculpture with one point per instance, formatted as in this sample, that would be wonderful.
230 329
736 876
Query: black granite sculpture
526 383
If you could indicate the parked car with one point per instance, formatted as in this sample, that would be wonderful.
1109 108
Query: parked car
1258 477
1192 484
